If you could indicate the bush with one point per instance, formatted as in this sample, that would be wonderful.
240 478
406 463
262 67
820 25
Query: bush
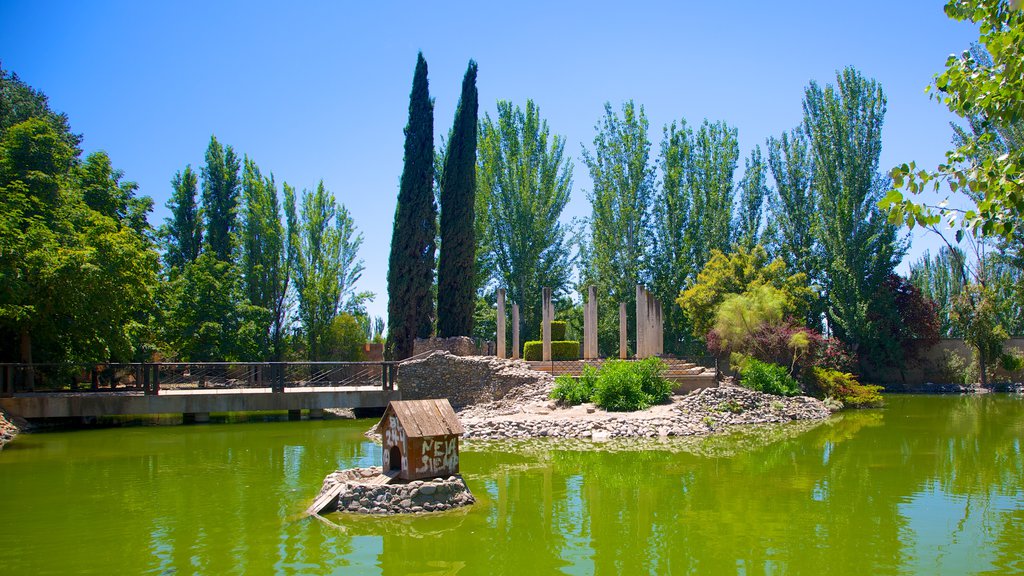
768 378
626 386
1011 361
558 330
844 387
560 350
571 391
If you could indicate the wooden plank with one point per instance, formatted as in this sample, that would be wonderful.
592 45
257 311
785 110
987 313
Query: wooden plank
325 499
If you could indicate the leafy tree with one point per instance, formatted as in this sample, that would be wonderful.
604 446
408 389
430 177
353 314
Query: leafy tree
736 273
906 323
344 339
716 151
325 261
616 256
793 223
975 313
859 247
411 263
941 278
527 181
73 280
264 261
182 232
20 102
753 191
988 86
455 274
220 198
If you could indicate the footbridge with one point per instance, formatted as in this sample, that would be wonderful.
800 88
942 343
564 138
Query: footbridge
194 389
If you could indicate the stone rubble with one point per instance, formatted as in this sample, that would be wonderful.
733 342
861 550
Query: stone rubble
9 427
471 380
418 496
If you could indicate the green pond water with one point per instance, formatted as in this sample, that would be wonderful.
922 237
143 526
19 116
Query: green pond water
928 485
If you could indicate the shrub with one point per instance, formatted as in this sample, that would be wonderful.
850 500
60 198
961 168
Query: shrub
1011 361
560 350
768 378
572 391
844 387
625 386
558 330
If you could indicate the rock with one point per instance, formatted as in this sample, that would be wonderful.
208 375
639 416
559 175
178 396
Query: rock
428 489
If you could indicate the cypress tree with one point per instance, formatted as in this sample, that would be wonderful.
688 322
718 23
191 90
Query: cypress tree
411 264
455 285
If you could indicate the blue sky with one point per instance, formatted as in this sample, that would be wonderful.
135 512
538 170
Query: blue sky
319 90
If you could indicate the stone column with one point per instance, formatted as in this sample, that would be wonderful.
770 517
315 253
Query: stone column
546 309
500 340
641 322
659 329
590 325
515 331
623 342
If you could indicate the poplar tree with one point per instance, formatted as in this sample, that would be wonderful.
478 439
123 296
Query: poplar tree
616 256
752 191
220 198
264 258
716 151
859 246
182 233
455 267
411 263
523 174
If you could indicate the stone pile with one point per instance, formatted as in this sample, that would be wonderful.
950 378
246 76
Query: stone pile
699 413
362 497
457 345
472 380
8 429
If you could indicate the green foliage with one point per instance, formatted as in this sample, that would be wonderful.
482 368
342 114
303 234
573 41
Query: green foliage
325 249
768 378
845 388
560 350
959 370
627 386
456 288
975 314
740 316
736 273
858 246
411 262
20 102
523 184
75 279
572 391
344 339
692 212
990 89
615 257
753 191
220 198
558 329
182 233
1012 361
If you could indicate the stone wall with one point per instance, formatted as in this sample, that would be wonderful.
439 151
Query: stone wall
464 380
930 367
457 345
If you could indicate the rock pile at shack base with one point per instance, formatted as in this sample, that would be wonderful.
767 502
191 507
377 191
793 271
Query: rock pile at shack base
419 496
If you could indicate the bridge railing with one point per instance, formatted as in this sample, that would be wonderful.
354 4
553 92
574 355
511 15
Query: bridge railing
152 377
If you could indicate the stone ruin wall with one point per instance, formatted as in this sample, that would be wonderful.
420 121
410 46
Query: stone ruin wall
464 380
457 345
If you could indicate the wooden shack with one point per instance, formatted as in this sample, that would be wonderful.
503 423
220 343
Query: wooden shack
420 439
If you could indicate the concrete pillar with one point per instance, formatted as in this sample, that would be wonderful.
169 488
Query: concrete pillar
295 414
515 330
590 325
196 418
500 340
659 329
623 342
546 310
316 413
641 322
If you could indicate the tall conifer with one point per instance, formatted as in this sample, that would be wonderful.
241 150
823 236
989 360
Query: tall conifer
183 232
455 271
411 264
220 197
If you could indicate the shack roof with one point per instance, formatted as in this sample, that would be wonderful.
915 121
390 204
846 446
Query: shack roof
424 418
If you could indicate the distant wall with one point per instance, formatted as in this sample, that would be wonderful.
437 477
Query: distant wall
931 365
456 345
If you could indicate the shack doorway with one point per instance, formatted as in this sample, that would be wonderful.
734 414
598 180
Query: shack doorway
394 458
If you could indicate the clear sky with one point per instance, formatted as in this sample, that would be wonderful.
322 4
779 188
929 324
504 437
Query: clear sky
320 90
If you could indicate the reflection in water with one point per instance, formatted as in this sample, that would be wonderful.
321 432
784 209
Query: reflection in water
928 485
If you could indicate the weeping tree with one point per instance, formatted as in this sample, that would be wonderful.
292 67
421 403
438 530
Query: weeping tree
455 270
523 174
411 263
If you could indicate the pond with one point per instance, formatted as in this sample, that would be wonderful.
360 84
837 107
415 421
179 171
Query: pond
928 485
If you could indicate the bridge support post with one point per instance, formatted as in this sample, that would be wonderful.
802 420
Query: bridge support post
295 414
316 413
195 418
